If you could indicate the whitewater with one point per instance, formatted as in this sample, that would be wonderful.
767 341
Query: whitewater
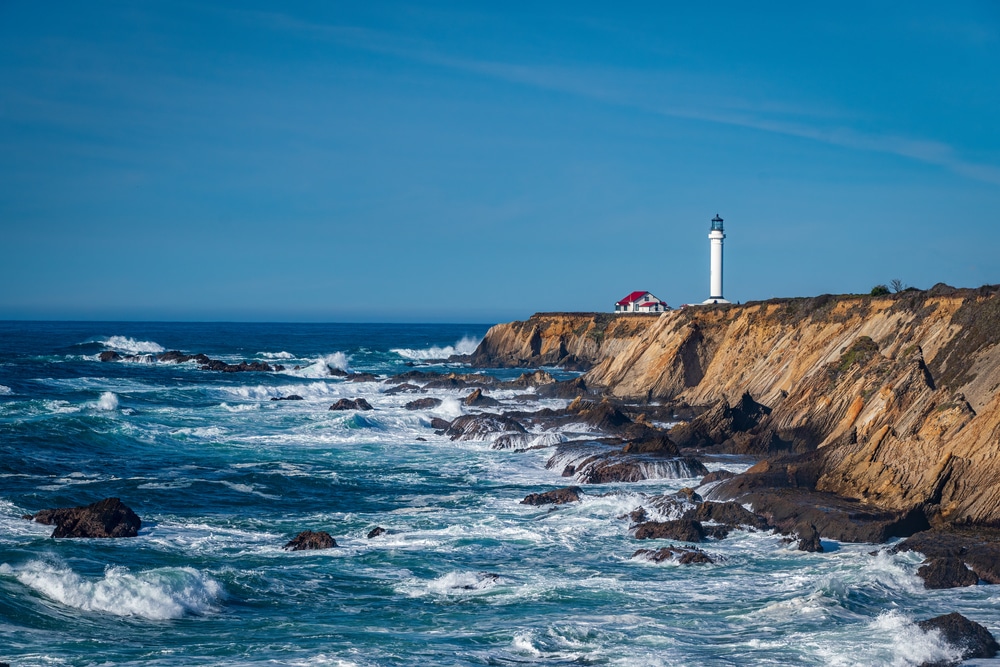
223 476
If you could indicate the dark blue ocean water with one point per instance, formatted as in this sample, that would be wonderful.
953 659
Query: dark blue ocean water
222 477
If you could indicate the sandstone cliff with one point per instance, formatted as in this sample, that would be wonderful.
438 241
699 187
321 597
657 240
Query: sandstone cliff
899 392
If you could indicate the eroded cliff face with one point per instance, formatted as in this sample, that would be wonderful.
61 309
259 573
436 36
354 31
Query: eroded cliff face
899 392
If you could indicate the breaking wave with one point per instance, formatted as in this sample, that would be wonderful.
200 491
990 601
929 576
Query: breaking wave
320 368
276 355
108 401
467 345
131 345
158 594
4 389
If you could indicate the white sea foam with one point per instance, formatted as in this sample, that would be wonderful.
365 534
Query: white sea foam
467 345
450 408
4 389
910 645
141 359
131 345
276 355
162 593
240 407
108 401
320 368
311 391
462 582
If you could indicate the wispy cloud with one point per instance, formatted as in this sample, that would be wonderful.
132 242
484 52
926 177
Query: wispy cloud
667 94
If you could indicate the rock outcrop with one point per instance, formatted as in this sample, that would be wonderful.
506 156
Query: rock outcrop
309 540
106 518
970 637
352 404
898 391
570 494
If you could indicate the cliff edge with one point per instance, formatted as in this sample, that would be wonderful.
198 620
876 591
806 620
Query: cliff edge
898 393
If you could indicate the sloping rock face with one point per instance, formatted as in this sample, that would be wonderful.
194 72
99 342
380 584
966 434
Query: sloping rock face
106 518
900 392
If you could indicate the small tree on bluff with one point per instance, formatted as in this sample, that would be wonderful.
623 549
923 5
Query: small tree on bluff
879 290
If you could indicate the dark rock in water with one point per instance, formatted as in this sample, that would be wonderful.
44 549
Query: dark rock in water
680 554
536 379
419 439
308 540
376 531
439 424
970 637
809 539
362 377
423 404
638 515
178 357
110 355
683 530
602 416
947 572
978 547
481 426
334 372
348 404
730 514
716 476
688 494
568 389
617 468
242 367
477 399
570 494
105 518
657 443
290 397
401 388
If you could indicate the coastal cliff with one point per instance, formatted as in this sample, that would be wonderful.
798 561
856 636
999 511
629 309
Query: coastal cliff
898 393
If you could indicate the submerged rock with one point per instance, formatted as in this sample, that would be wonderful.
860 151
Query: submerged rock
348 404
290 397
376 531
970 637
569 494
110 355
105 518
682 555
308 540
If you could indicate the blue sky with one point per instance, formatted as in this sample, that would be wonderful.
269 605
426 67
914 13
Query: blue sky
475 163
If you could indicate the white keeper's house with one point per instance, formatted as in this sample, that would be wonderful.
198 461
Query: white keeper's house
641 302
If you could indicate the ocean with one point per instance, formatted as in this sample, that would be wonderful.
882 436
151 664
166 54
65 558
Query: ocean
223 477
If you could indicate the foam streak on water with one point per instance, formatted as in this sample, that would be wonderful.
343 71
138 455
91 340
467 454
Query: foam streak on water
223 477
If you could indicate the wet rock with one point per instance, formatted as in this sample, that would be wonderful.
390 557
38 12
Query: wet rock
729 514
570 494
362 377
809 539
178 357
376 531
978 547
716 476
439 424
683 530
348 404
680 554
479 400
402 388
110 355
333 372
970 637
947 572
536 379
603 416
568 389
482 426
242 367
655 443
688 494
423 404
105 518
290 397
638 515
617 468
720 423
308 540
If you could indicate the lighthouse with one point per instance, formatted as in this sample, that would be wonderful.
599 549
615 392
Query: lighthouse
715 237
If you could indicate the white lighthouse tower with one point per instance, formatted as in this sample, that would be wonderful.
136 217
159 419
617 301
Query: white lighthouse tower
715 237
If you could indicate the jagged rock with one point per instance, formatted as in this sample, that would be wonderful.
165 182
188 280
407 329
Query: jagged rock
602 416
970 637
423 404
978 548
482 426
362 377
333 372
178 357
110 355
308 540
570 494
477 399
638 515
242 367
439 424
809 539
729 514
948 572
716 476
567 389
688 494
348 404
720 423
683 530
655 443
536 379
290 397
376 531
681 555
105 518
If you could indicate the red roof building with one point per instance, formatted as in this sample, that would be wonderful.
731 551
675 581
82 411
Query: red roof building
641 302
